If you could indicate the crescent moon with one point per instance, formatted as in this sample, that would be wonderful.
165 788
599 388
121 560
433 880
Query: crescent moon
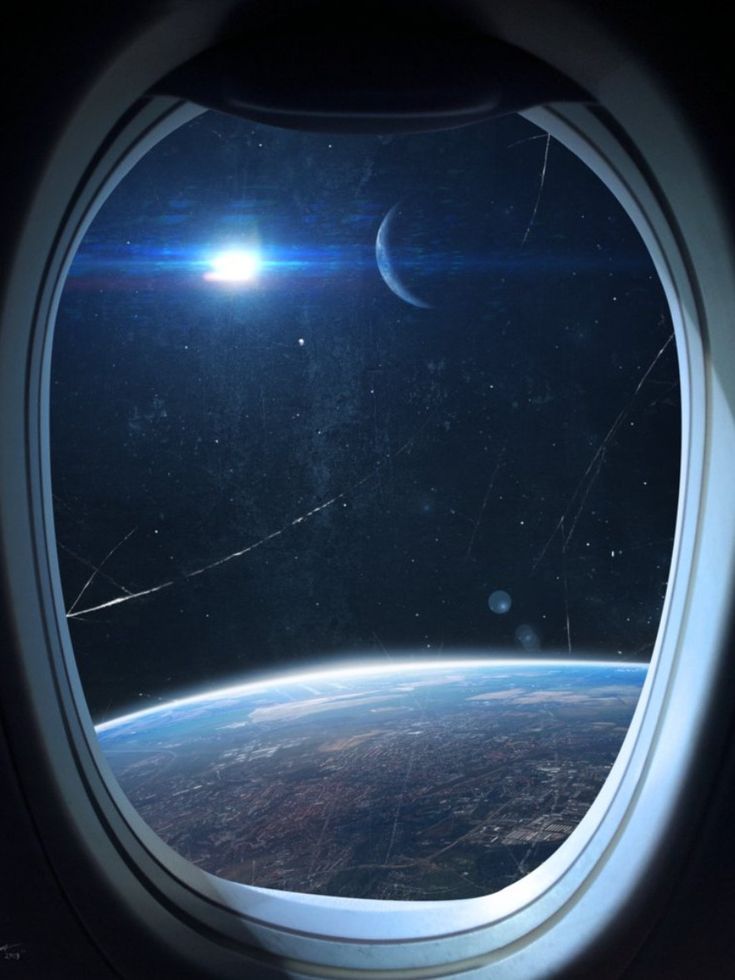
390 276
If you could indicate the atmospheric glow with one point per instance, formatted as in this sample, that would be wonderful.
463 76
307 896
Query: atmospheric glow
364 669
236 265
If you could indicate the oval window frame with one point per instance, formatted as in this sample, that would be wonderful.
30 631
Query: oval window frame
642 777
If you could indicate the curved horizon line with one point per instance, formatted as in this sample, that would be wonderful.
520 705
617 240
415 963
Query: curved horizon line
234 690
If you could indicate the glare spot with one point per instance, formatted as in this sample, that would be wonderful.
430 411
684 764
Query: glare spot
234 265
499 602
527 636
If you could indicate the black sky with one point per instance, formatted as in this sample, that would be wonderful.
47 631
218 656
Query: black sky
520 434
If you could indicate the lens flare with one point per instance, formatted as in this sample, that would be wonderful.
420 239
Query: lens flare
236 265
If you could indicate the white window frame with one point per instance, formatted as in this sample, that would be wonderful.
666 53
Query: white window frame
546 922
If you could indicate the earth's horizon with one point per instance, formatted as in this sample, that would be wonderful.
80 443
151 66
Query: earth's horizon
414 780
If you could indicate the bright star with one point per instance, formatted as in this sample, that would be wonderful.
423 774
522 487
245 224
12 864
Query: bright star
234 265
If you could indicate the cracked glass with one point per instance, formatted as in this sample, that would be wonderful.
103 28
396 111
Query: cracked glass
365 462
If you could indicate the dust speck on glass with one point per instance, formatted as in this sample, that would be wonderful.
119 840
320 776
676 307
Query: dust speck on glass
365 461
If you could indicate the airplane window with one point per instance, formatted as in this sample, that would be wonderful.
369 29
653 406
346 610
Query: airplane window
365 460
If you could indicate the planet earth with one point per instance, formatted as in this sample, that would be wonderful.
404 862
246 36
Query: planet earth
414 781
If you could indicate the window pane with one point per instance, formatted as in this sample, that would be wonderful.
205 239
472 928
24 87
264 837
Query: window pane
387 430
